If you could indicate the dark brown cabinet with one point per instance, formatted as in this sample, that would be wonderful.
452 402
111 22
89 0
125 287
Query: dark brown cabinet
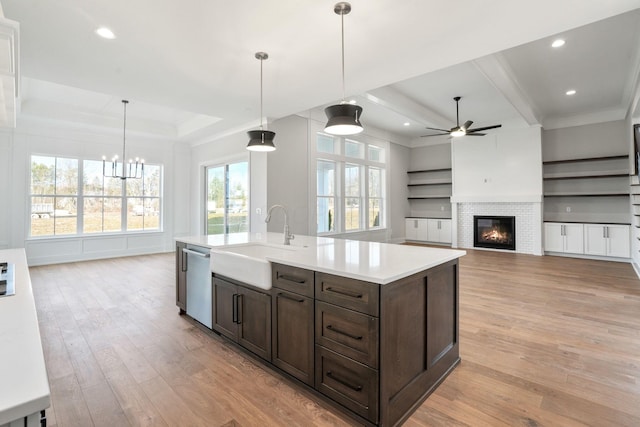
181 277
243 315
292 311
347 339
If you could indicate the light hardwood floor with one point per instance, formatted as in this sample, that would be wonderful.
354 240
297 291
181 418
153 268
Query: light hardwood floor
544 341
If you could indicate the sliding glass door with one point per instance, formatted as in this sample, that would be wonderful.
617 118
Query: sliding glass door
227 198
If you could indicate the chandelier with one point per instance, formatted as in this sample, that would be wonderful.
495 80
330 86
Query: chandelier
119 169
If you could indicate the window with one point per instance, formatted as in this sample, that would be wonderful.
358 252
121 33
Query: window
350 184
227 194
71 197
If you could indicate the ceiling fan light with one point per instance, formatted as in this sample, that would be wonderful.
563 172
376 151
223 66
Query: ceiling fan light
343 119
261 140
458 132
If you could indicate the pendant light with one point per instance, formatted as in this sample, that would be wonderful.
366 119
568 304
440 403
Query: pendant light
261 140
344 118
129 171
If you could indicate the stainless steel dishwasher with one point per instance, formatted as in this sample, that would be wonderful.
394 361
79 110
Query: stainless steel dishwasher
199 284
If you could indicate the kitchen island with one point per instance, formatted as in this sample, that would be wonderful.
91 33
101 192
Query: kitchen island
372 328
24 387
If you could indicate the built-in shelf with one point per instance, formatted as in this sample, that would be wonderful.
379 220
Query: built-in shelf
586 159
433 182
586 194
589 190
586 175
444 196
430 170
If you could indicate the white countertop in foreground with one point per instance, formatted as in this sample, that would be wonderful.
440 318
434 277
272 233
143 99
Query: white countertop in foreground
370 261
24 387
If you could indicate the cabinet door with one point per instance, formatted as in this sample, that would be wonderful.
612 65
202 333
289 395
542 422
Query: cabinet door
595 240
181 277
618 241
423 229
433 230
411 229
254 321
553 237
445 231
574 238
292 335
224 308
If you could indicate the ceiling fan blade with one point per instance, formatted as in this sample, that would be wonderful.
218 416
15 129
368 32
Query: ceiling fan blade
434 134
484 128
467 124
441 130
475 134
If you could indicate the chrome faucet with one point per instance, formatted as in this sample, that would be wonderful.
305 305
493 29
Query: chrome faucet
287 237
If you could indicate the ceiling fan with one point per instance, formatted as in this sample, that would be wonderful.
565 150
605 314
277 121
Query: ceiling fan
461 130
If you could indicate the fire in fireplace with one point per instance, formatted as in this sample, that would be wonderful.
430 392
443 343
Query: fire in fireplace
494 232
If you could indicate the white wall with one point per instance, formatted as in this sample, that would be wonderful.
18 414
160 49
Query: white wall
502 167
64 139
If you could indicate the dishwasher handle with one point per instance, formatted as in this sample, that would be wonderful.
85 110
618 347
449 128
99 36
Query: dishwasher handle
192 252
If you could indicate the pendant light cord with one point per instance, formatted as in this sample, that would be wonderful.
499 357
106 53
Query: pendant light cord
343 85
124 135
261 60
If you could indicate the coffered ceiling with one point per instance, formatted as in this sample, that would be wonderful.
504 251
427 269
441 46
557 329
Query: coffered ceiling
189 70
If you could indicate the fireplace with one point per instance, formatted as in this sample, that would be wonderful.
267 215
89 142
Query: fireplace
494 232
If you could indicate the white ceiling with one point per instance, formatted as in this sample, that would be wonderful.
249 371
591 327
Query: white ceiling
189 70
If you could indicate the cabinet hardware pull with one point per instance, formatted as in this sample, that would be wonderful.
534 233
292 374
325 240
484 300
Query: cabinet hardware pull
343 382
184 260
196 253
346 334
239 310
341 292
290 278
289 297
234 308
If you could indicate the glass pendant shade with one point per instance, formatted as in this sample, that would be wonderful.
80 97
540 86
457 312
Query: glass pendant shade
261 140
343 119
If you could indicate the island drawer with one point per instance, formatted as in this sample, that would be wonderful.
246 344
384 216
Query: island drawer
292 279
348 382
348 332
349 293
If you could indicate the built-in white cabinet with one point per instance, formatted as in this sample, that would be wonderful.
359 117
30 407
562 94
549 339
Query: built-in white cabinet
439 230
607 240
611 240
433 230
416 229
564 237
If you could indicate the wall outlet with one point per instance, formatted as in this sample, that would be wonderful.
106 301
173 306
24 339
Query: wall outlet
258 211
568 209
442 208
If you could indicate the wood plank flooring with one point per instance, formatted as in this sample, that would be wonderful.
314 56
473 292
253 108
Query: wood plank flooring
544 341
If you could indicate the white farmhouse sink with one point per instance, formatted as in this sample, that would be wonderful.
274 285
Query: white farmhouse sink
247 263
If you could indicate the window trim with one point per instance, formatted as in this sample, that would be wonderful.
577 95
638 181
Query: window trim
341 159
80 196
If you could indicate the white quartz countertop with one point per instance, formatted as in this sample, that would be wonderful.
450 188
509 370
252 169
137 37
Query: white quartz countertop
24 387
370 261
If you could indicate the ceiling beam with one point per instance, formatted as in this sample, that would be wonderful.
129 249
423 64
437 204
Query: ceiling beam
400 103
497 71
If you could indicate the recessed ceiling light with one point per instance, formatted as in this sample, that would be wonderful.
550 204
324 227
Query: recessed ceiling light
106 33
406 123
571 92
353 101
558 43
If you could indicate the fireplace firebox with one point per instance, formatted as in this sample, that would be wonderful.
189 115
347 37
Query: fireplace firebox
494 232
